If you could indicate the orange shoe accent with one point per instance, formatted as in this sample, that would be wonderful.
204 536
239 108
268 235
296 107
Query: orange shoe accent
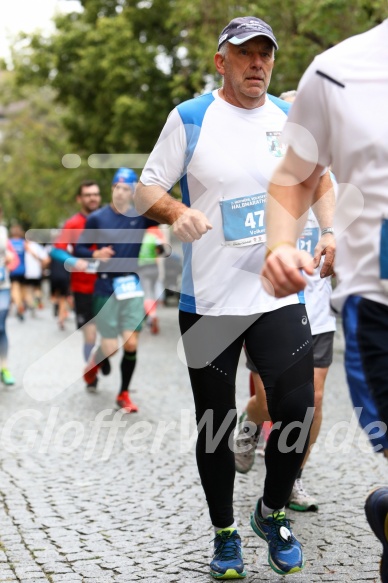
124 401
90 372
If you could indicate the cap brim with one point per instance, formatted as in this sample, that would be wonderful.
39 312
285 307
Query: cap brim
239 40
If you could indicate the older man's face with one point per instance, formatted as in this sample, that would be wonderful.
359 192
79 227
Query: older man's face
247 70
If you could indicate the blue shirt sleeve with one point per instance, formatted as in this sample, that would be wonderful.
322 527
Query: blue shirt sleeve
285 106
82 248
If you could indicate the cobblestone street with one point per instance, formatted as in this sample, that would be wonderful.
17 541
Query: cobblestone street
89 494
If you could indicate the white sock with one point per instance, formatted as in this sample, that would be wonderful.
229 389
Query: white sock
265 511
217 528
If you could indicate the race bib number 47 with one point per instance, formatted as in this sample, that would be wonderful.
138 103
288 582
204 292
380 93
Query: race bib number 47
243 220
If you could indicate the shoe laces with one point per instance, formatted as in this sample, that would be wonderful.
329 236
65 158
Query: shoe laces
227 545
252 441
281 533
249 439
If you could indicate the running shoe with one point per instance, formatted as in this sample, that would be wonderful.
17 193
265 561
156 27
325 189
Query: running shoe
92 387
227 562
91 370
245 444
155 326
285 554
7 377
376 510
124 401
300 499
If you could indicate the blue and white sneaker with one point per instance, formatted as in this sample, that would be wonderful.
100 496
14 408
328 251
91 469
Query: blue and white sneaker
376 510
285 554
227 562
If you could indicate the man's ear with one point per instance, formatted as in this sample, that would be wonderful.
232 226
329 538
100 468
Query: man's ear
219 63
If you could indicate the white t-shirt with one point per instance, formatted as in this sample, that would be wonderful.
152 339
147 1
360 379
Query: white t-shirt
342 101
33 266
224 157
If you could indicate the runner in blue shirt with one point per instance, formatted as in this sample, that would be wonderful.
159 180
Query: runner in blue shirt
113 236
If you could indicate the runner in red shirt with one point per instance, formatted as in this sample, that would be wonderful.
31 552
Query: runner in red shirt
82 276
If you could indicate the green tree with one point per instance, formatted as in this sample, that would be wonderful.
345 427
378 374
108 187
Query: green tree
304 28
36 189
105 71
121 65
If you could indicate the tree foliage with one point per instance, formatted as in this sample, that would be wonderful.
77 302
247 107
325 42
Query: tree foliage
36 189
105 70
106 80
121 65
304 28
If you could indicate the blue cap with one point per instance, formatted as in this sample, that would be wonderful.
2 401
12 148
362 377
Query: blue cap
125 176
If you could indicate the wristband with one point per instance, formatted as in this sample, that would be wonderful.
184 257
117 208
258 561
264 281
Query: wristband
269 251
327 230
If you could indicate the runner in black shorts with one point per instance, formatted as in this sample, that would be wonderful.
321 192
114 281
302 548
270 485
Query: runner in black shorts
323 324
326 113
59 290
82 278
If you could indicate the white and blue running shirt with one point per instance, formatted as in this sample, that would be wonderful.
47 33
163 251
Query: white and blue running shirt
224 157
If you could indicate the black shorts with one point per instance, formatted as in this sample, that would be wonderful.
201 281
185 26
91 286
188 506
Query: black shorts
19 278
59 287
322 351
34 282
83 304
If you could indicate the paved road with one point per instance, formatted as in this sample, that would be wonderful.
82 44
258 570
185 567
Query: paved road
90 495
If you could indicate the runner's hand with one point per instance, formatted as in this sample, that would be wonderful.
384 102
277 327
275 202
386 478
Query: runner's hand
104 253
191 225
326 247
282 271
81 265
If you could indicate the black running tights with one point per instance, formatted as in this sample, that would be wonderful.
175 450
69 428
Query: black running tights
279 343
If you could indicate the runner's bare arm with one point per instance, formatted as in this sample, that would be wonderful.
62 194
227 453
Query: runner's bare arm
324 208
291 193
154 202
